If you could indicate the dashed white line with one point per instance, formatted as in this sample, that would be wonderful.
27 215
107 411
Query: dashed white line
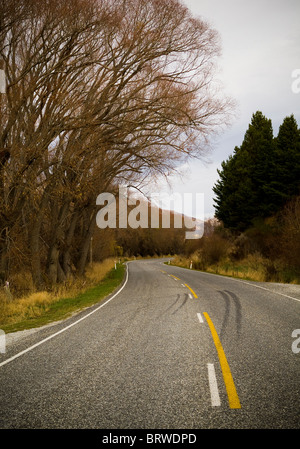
200 318
213 385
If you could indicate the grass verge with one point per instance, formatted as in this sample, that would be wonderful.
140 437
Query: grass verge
45 309
251 268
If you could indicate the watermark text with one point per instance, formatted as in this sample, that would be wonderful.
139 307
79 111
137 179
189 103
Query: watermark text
128 211
296 82
2 342
296 343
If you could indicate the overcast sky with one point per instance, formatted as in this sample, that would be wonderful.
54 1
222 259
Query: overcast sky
260 50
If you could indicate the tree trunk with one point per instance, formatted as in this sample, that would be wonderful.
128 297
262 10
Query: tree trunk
4 255
66 257
53 264
34 242
85 246
55 271
35 255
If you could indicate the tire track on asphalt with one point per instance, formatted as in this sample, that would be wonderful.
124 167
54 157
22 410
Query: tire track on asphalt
227 295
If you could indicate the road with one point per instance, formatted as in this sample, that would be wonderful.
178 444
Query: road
173 349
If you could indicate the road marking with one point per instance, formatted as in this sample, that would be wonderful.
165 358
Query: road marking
233 398
176 278
268 290
191 291
200 318
213 385
65 328
190 296
252 285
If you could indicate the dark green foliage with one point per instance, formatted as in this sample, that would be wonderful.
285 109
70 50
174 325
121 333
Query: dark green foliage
261 175
286 177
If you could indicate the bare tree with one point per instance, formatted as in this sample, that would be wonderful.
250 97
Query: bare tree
98 92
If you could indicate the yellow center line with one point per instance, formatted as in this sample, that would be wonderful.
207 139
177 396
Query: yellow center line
174 277
191 291
178 279
233 398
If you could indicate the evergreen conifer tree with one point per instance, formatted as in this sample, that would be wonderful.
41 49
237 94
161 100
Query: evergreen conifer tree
286 176
242 193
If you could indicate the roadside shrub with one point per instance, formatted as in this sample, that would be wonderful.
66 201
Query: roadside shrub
21 284
290 234
215 248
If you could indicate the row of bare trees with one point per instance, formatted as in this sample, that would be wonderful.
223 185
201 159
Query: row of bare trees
98 92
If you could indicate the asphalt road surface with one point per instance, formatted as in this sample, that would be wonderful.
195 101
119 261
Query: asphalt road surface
172 349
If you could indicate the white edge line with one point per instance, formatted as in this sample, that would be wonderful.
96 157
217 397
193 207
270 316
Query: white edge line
65 328
267 289
252 285
214 392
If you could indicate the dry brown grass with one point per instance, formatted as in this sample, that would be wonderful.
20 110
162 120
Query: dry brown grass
252 267
35 304
97 271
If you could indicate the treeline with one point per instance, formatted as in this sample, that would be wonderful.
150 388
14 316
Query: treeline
261 176
257 203
147 241
98 93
